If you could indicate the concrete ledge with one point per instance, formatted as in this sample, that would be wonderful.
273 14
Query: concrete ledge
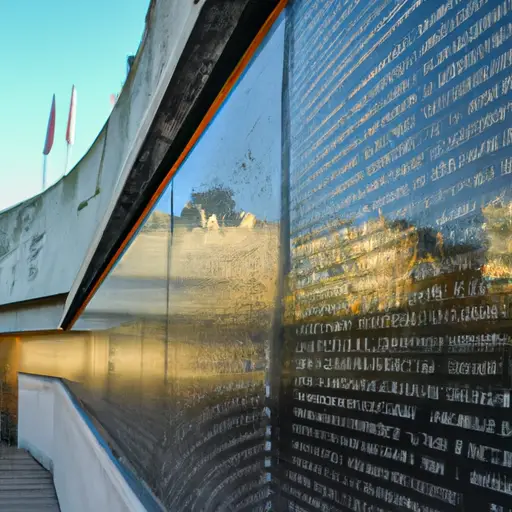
33 315
58 433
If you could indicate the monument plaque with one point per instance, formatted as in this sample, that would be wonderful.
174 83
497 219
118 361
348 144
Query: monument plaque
396 386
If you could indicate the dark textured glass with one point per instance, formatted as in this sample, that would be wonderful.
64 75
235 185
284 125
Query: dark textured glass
396 389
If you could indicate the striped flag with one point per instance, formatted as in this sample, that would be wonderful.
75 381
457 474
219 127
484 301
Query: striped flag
50 131
70 132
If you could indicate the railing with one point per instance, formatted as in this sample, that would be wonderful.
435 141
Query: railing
60 435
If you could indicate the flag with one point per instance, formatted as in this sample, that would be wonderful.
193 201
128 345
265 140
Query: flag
50 131
70 132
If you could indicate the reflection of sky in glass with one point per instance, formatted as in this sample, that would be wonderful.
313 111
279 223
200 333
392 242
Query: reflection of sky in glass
243 142
164 202
361 149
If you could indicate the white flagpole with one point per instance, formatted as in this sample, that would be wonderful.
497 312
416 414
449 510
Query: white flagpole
70 132
45 157
68 155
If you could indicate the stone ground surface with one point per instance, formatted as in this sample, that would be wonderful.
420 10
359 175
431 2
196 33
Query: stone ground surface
24 484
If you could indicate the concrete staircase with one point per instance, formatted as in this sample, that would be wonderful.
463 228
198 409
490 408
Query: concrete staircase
25 486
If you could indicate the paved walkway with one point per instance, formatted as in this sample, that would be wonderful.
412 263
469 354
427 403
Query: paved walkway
25 486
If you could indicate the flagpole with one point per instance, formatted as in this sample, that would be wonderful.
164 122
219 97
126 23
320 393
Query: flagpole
70 131
68 154
44 171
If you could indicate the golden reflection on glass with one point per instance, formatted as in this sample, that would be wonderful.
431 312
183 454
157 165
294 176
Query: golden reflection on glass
353 270
386 265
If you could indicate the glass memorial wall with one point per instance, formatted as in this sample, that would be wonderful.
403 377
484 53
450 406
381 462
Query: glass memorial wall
316 315
396 381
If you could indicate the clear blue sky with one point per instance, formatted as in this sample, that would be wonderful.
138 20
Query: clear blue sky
47 46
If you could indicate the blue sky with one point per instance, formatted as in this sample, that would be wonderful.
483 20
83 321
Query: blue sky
49 45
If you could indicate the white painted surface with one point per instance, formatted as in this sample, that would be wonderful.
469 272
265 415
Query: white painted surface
46 242
35 418
52 429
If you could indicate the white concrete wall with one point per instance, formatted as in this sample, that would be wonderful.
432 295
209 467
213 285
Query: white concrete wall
53 429
35 416
44 241
34 316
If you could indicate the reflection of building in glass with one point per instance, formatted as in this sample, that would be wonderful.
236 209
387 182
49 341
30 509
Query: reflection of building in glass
498 228
229 271
381 264
357 269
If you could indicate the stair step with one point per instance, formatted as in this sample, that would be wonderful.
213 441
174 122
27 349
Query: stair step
27 473
27 495
24 484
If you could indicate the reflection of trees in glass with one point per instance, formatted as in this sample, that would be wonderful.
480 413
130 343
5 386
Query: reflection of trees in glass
216 201
226 274
192 216
214 208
